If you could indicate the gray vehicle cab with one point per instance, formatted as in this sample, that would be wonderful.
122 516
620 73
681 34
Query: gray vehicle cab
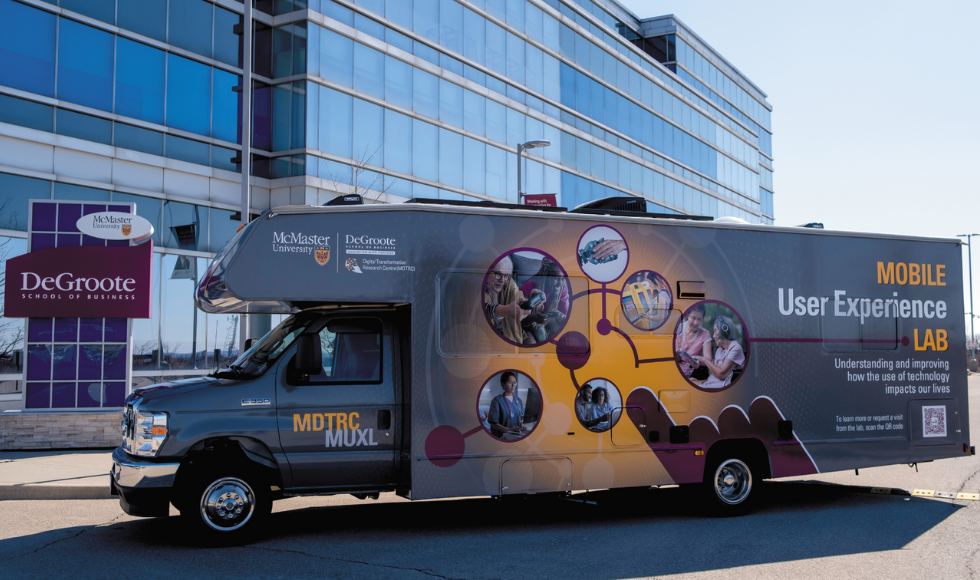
314 407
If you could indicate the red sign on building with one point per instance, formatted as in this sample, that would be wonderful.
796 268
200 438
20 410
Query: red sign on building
541 199
84 281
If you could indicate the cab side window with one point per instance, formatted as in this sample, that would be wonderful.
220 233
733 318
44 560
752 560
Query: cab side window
351 351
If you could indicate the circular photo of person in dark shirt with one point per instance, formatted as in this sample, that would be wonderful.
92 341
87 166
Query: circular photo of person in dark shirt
527 298
509 406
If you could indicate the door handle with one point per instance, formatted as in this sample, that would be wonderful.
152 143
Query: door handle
384 419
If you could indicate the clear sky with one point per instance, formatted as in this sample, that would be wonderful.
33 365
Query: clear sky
876 124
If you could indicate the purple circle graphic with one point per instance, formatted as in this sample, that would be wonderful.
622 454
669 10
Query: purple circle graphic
604 327
444 446
549 317
598 240
573 350
702 377
646 300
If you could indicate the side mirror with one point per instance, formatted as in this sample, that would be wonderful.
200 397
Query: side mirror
249 342
309 356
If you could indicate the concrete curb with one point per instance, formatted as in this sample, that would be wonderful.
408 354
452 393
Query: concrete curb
45 492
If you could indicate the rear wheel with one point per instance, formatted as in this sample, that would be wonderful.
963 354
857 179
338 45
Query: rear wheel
227 506
729 487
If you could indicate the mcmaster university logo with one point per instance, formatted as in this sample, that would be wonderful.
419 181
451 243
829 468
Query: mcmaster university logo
322 255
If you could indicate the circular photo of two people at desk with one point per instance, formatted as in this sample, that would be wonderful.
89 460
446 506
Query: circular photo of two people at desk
527 297
711 345
598 405
509 406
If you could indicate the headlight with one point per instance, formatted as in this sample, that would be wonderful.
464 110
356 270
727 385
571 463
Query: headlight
149 433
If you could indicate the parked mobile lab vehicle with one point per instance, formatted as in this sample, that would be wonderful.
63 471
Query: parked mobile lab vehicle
456 350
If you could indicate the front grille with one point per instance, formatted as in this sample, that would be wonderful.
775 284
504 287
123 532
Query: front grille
129 426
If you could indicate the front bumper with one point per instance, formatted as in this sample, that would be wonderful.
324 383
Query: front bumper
144 487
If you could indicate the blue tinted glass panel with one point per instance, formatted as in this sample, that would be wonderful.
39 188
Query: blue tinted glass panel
187 150
223 228
65 329
26 113
450 158
221 158
474 113
27 48
333 10
225 108
114 394
86 127
398 83
114 362
497 9
85 65
533 22
335 123
496 172
515 58
474 36
138 139
496 121
185 226
63 395
426 17
38 395
496 48
451 25
336 58
90 362
104 10
398 142
368 135
369 26
281 104
426 94
38 362
369 71
400 12
515 14
190 25
90 330
39 329
68 213
146 17
398 40
89 394
65 240
226 42
450 103
515 127
474 165
139 81
188 95
64 362
425 149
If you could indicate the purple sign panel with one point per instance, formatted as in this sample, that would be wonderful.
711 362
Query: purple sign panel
85 281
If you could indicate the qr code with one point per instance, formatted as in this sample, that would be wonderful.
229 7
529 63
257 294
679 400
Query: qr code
934 421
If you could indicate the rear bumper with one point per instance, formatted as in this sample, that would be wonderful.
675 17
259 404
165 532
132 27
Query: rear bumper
144 487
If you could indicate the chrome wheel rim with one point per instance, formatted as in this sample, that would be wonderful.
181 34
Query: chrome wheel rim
227 504
733 482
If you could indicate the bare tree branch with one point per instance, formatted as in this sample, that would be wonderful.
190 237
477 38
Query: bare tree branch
358 168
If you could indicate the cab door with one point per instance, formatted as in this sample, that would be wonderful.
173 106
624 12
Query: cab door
338 428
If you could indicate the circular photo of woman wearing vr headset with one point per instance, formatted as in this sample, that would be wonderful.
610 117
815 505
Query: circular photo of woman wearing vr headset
711 345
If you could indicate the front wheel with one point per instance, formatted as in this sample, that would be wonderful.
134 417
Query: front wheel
729 487
227 507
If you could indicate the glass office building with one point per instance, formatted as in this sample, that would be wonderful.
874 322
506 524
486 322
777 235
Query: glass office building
140 101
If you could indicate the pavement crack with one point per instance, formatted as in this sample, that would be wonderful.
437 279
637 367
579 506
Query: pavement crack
59 540
302 553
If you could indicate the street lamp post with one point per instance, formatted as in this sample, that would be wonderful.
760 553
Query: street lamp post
521 148
969 260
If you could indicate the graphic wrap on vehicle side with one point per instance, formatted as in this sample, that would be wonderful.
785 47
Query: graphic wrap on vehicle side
841 364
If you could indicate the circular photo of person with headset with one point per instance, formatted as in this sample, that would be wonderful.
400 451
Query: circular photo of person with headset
711 345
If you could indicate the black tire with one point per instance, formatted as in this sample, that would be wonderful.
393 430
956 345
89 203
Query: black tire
730 487
224 507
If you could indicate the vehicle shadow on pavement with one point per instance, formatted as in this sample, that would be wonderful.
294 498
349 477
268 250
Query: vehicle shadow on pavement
636 532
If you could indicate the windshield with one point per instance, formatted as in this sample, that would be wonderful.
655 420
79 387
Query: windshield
267 350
